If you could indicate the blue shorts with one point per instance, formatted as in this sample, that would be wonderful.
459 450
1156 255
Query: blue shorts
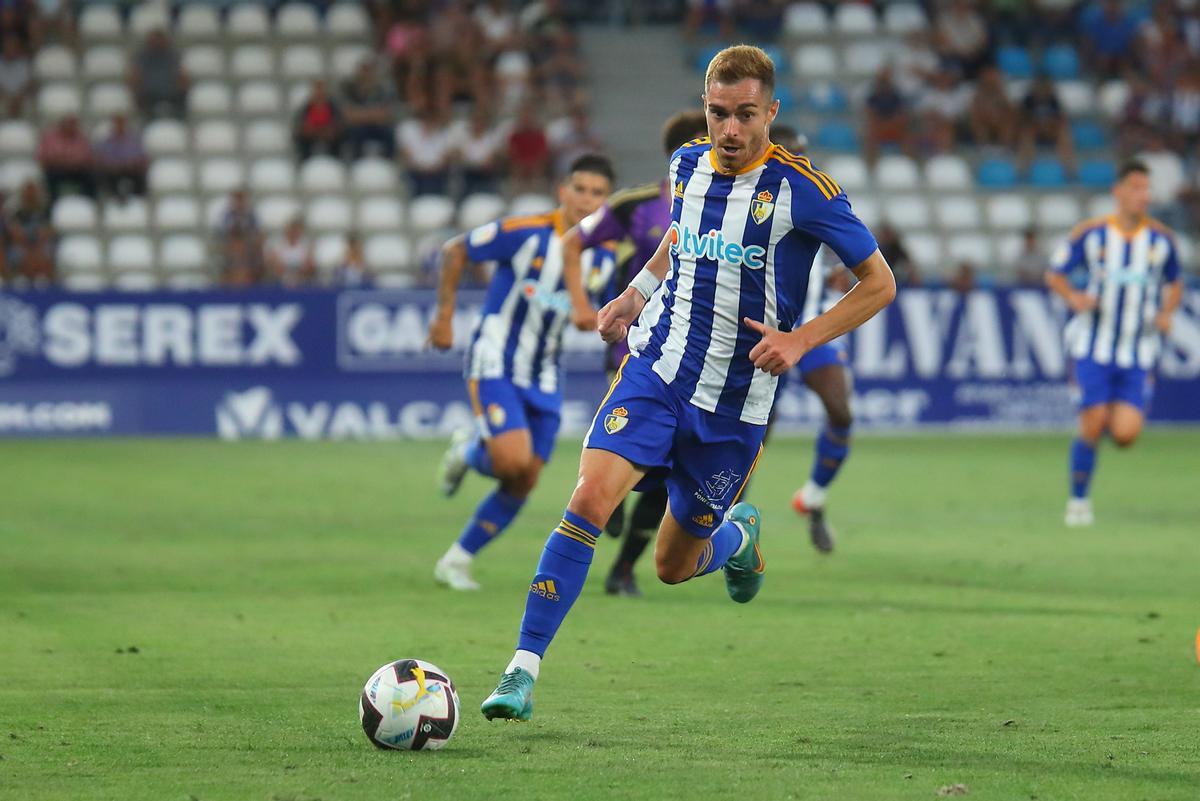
500 405
1107 383
823 356
703 458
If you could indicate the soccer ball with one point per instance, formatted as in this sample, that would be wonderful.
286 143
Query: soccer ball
409 705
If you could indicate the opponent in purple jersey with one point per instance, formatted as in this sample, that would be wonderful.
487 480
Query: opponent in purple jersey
639 216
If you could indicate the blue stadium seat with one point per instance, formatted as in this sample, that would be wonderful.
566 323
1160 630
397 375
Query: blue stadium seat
778 56
1097 174
996 173
1014 62
785 96
839 136
1088 135
1061 63
827 98
705 56
1047 173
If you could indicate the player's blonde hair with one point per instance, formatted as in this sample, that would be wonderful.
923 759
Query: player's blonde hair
738 63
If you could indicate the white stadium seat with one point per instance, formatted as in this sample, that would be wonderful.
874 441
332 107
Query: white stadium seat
303 63
1058 211
215 137
100 22
58 100
854 19
296 21
948 172
1077 97
188 281
347 21
107 99
975 248
85 282
103 63
214 211
430 213
130 253
197 23
252 62
925 251
54 63
849 171
14 172
805 21
1112 98
532 203
395 280
202 62
177 213
346 59
866 207
958 212
1009 211
328 251
209 99
267 138
298 94
259 99
900 19
276 212
74 214
1101 206
138 281
17 138
182 253
897 172
168 176
220 176
322 174
478 209
126 216
273 175
165 138
374 175
1008 249
247 21
815 62
387 252
906 212
329 215
864 59
79 253
380 214
146 17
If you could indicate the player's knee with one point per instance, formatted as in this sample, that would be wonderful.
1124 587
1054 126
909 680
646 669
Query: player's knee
840 416
669 573
1124 439
591 502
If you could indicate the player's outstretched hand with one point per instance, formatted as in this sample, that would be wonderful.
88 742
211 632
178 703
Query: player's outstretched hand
441 333
584 318
777 352
617 315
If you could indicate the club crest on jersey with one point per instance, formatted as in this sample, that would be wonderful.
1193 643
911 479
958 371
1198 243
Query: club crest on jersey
617 419
762 207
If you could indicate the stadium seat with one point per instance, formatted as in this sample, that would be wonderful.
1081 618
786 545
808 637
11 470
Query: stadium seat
139 281
16 171
126 216
901 19
387 252
996 173
948 171
184 282
214 211
380 214
107 99
252 63
862 60
170 176
531 203
330 214
1077 97
103 64
897 172
434 212
805 21
274 213
100 23
704 56
826 97
302 63
74 215
813 62
204 62
220 176
1097 174
297 21
1008 249
837 136
197 23
259 99
906 212
209 99
57 100
925 250
957 212
54 63
346 58
17 138
1088 135
479 209
267 138
1008 211
322 175
1057 211
1101 205
271 175
328 251
248 21
181 253
1014 62
854 19
396 280
146 17
177 213
215 138
297 95
975 248
1061 63
867 208
1047 173
84 282
849 171
165 138
130 253
347 21
374 175
1112 98
79 253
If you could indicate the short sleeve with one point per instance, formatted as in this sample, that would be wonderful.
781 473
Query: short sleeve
491 242
1068 255
835 224
1171 265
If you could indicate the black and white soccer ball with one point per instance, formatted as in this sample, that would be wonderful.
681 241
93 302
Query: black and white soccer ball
409 705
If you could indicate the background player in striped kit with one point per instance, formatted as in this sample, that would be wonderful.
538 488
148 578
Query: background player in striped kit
512 364
1128 267
640 216
714 310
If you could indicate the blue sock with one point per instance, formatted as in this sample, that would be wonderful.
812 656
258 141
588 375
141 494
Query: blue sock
492 516
833 446
558 581
720 546
1083 462
479 458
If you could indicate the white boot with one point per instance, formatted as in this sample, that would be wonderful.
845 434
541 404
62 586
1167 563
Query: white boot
1079 512
454 569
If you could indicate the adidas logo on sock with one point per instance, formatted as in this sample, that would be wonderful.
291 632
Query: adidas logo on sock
545 589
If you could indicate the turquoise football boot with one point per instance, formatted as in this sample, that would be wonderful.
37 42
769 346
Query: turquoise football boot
744 572
512 699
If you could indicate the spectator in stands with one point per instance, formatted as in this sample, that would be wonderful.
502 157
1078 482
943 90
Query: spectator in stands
701 12
498 24
1184 110
479 146
368 109
915 65
542 22
892 249
762 20
239 240
963 280
121 160
56 18
30 239
887 117
962 37
571 137
1108 34
942 106
16 78
19 18
992 117
528 151
426 146
1044 124
1162 51
157 77
1146 111
289 256
317 125
353 271
65 155
1030 267
1169 172
561 73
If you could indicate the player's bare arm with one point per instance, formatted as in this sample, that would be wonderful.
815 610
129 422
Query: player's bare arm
583 314
616 316
778 351
1077 300
1172 296
454 259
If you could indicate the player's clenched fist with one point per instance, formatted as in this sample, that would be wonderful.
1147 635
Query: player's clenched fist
777 351
441 332
619 314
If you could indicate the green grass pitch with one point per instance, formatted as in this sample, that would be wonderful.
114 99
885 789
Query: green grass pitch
194 620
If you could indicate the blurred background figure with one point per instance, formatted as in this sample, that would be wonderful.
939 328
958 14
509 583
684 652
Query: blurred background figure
289 256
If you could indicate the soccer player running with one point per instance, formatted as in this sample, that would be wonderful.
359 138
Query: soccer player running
714 309
641 215
1132 287
512 368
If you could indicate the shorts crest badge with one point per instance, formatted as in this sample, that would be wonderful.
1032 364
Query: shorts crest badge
496 415
762 207
617 419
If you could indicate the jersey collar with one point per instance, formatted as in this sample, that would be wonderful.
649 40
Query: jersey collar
1129 234
754 165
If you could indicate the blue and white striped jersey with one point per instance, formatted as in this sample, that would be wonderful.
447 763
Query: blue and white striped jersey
1125 272
527 308
741 246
